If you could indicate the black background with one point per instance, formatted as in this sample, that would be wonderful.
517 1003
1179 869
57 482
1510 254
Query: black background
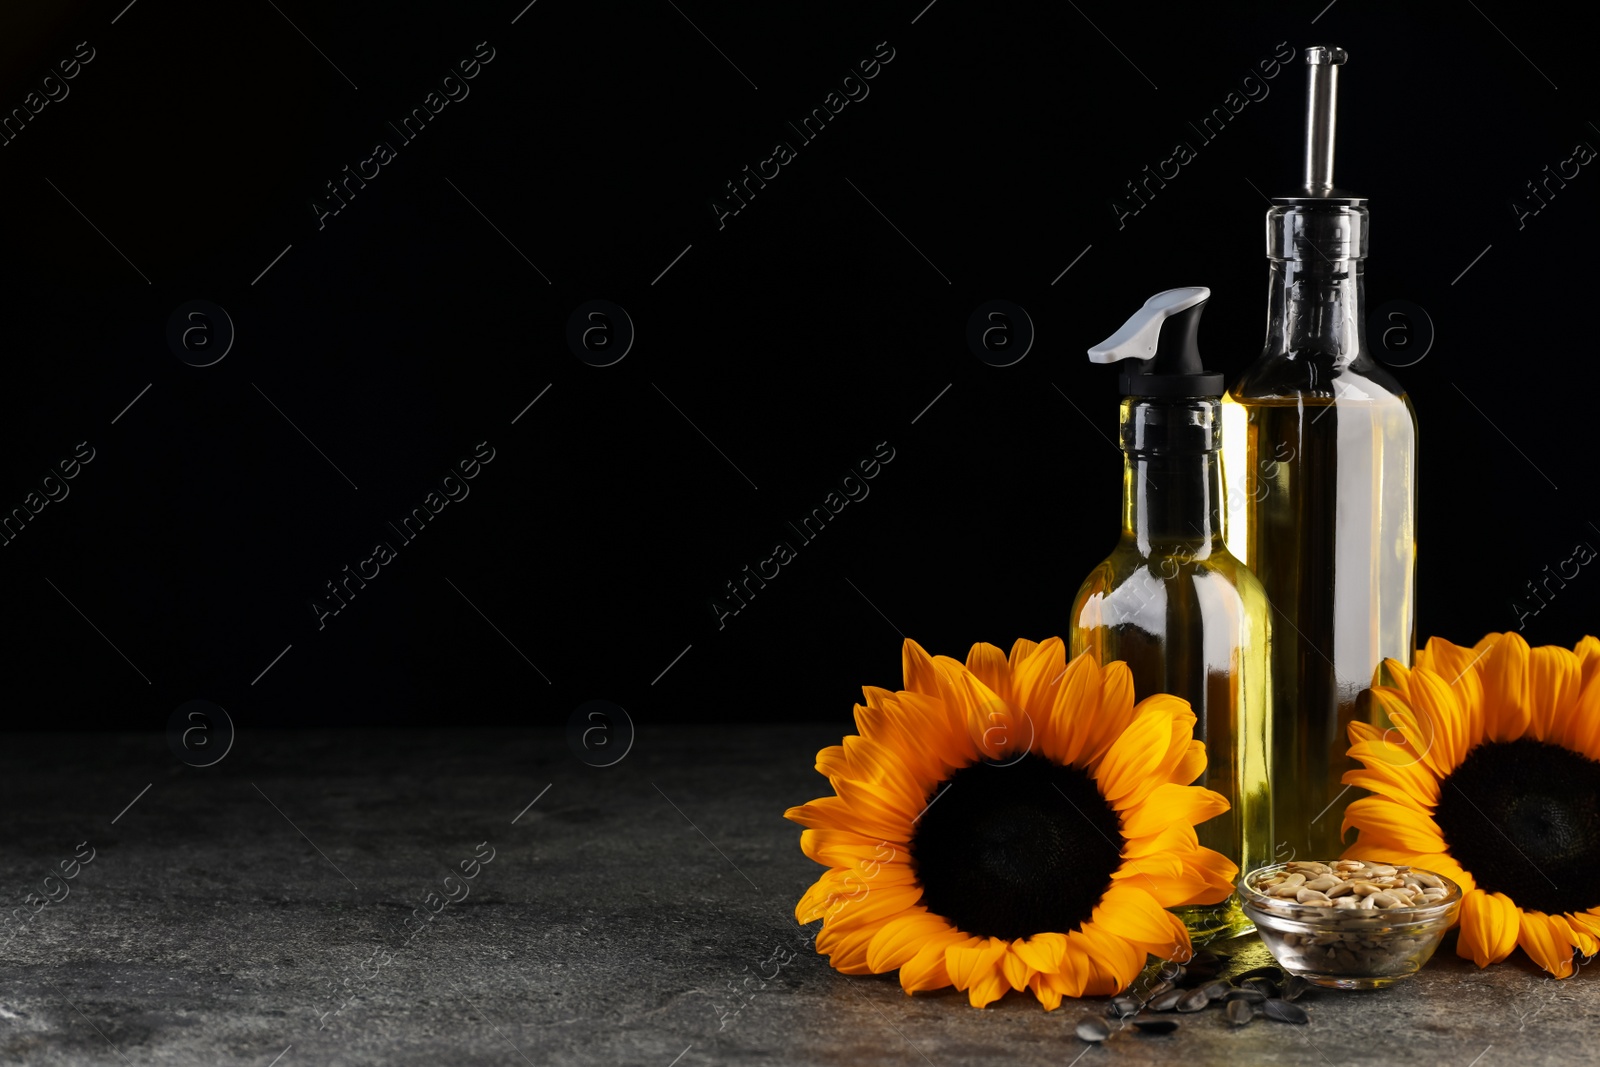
795 337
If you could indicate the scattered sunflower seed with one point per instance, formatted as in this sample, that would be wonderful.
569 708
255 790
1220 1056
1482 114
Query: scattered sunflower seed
1122 1007
1265 986
1240 1012
1284 1012
1093 1028
1170 971
1194 1000
1217 988
1249 994
1269 971
1159 988
1166 1001
1293 987
1155 1026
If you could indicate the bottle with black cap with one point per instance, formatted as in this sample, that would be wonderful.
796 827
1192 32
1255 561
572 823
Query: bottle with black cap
1320 461
1184 615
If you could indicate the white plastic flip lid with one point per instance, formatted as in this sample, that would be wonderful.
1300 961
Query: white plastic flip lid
1137 337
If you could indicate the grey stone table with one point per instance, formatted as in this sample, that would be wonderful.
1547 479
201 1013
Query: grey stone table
255 913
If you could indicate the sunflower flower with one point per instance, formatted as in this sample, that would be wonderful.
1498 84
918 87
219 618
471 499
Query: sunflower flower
1011 823
1490 774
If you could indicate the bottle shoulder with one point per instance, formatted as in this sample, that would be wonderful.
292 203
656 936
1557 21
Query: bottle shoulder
1219 574
1214 605
1291 380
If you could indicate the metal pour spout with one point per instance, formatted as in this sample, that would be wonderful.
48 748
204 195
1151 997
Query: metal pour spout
1322 106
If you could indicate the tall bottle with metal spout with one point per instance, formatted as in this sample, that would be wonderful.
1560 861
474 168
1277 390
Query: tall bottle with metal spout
1170 601
1320 460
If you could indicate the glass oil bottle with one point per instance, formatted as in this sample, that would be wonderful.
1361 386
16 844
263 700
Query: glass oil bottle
1171 601
1320 458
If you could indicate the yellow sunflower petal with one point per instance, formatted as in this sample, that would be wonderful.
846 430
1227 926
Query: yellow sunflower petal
1048 994
1042 952
1176 871
1580 731
1191 764
1365 731
1415 738
1021 649
1130 913
991 667
1033 681
917 667
976 969
1177 839
904 727
842 889
928 678
846 946
999 730
1439 716
1073 977
1586 924
1169 803
1074 707
1185 760
1504 669
884 769
875 861
868 904
1553 680
1388 784
879 805
1489 925
940 726
821 844
1459 667
1547 939
1399 767
1113 962
1159 865
875 873
1391 743
901 938
1015 968
1071 971
926 970
1583 938
1393 673
1216 870
1127 773
1116 711
834 814
1588 652
1180 936
1389 824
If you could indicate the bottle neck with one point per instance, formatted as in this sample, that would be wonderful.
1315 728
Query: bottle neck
1172 475
1316 312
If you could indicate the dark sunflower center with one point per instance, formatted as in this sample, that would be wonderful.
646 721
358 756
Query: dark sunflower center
1016 849
1524 818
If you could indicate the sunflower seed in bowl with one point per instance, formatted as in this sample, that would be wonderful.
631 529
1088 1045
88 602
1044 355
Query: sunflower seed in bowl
1347 924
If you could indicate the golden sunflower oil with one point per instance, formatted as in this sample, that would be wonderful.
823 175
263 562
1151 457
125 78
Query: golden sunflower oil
1171 601
1323 488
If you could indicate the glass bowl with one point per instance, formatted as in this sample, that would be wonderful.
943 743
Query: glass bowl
1348 948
